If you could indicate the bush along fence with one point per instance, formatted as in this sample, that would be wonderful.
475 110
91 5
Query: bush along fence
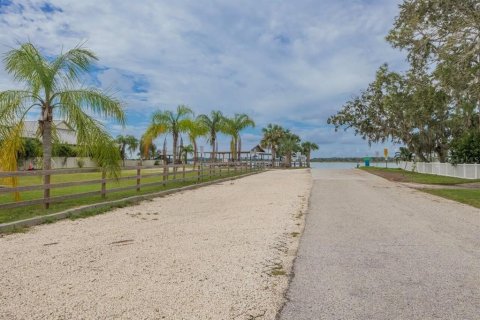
76 183
466 171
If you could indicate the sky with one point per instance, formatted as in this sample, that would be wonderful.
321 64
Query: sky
293 63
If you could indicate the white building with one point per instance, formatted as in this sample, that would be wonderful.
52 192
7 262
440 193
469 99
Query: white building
63 131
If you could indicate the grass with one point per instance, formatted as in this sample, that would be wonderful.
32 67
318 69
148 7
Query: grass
414 177
277 270
466 196
15 214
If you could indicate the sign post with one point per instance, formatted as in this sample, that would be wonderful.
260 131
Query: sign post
385 153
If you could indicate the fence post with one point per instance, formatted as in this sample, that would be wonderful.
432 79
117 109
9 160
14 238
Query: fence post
46 192
138 178
163 177
104 184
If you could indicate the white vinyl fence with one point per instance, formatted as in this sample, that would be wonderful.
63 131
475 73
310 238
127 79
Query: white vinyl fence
466 171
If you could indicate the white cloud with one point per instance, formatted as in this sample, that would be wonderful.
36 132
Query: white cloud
278 61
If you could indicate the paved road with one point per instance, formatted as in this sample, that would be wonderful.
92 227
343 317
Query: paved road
373 249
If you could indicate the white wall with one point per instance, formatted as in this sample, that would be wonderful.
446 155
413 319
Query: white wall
72 163
466 171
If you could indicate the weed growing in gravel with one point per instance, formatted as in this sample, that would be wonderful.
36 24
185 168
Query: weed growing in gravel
277 270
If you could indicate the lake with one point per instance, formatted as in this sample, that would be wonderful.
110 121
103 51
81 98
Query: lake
347 165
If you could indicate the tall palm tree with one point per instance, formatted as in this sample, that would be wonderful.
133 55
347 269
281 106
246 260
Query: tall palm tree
289 144
169 122
272 135
125 143
184 151
147 152
196 128
307 148
214 124
50 89
233 127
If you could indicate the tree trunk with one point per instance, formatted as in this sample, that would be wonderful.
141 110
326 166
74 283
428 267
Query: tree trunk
175 141
288 159
232 148
123 154
239 150
212 156
308 159
195 158
46 129
273 157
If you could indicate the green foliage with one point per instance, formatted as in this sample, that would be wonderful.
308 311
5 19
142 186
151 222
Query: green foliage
32 148
214 124
126 143
289 144
403 155
52 87
168 122
80 163
466 149
407 109
63 150
437 100
442 35
233 127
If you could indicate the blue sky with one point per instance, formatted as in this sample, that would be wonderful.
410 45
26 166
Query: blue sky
288 62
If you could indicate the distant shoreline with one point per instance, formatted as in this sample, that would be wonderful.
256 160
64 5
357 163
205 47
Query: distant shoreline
353 160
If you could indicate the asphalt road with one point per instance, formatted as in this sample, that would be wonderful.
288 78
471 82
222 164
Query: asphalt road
373 249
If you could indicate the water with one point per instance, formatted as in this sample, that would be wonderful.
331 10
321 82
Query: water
348 165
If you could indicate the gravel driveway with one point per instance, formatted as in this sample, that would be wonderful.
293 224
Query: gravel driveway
219 252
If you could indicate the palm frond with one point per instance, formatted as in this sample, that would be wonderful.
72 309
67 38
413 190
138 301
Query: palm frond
92 139
16 103
73 62
26 64
94 100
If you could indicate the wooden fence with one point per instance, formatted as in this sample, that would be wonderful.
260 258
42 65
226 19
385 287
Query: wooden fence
166 174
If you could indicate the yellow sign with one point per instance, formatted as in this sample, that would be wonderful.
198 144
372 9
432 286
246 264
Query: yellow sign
385 153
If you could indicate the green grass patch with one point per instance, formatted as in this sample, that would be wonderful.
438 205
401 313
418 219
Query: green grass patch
277 270
401 175
15 214
466 196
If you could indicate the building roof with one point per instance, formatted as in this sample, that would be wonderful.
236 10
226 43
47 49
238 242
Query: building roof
64 132
258 149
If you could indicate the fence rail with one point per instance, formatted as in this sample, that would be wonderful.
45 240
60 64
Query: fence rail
166 174
465 171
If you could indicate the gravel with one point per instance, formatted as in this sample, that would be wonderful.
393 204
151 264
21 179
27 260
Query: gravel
219 252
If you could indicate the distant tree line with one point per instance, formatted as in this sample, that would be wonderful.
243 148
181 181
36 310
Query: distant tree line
284 144
434 107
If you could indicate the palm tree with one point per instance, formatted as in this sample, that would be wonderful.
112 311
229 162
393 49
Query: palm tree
195 129
307 148
169 122
289 144
272 135
185 151
50 90
147 152
125 143
214 124
232 127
